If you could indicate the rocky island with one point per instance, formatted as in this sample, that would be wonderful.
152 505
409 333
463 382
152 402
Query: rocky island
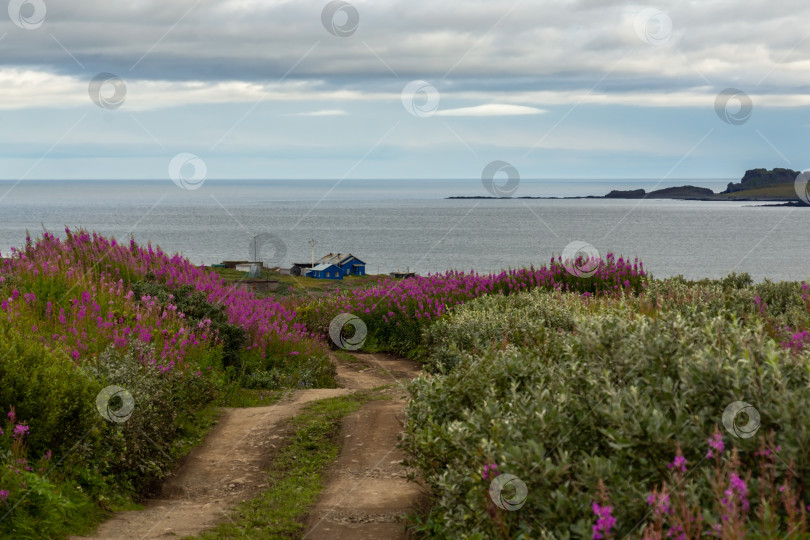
760 185
678 192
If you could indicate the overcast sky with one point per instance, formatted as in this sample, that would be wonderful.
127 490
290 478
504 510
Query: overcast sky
403 89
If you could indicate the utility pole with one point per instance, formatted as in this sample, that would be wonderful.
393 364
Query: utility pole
312 242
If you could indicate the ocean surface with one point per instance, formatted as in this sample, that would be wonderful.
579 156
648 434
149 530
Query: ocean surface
408 224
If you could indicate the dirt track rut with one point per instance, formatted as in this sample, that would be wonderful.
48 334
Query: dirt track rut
366 492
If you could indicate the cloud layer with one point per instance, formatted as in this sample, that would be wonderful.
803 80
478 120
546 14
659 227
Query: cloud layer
237 75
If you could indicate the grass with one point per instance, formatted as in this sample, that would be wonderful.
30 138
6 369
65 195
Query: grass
303 286
238 397
777 190
346 356
295 477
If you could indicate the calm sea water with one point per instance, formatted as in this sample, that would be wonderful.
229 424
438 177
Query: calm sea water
409 225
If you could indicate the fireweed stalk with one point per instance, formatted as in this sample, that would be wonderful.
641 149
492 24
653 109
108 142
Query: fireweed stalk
673 515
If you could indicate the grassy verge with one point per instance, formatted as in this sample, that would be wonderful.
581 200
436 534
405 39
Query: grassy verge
300 286
346 356
235 396
779 190
296 474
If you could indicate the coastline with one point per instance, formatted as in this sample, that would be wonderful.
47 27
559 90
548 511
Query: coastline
795 203
757 185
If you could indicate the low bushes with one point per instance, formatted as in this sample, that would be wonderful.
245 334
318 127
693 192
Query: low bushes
85 313
498 321
396 311
572 392
71 463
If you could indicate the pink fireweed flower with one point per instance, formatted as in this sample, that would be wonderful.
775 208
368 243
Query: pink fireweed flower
679 463
660 503
490 470
715 445
20 430
4 495
738 487
604 522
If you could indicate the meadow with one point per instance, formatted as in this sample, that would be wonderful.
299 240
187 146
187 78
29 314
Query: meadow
614 405
598 401
616 414
85 313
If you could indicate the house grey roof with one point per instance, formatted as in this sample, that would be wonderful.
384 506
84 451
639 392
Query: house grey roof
337 258
321 267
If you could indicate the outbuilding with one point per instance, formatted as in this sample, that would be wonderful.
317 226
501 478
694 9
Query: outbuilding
325 271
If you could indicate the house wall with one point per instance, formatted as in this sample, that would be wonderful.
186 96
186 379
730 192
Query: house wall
349 270
333 272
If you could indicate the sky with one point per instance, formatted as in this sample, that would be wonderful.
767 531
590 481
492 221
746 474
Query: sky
299 89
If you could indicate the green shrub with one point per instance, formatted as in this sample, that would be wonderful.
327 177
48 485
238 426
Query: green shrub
495 321
291 371
95 463
608 401
144 447
56 402
47 390
195 306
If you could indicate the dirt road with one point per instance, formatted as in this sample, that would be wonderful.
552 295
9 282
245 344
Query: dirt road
366 492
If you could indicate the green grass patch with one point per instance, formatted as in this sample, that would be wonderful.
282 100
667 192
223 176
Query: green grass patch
296 474
238 397
777 190
295 286
347 356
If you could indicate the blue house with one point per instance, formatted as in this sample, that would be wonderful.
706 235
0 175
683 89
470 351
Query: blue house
348 263
325 271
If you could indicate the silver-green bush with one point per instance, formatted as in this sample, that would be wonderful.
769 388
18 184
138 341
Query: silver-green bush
609 397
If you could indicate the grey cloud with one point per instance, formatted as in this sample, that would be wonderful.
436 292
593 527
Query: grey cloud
461 44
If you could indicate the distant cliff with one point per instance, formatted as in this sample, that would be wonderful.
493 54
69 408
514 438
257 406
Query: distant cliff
757 178
775 185
678 192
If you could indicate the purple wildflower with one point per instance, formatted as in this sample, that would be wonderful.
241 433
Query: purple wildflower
736 485
660 503
605 521
715 445
679 463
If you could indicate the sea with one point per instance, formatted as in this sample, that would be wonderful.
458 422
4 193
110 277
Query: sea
411 225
